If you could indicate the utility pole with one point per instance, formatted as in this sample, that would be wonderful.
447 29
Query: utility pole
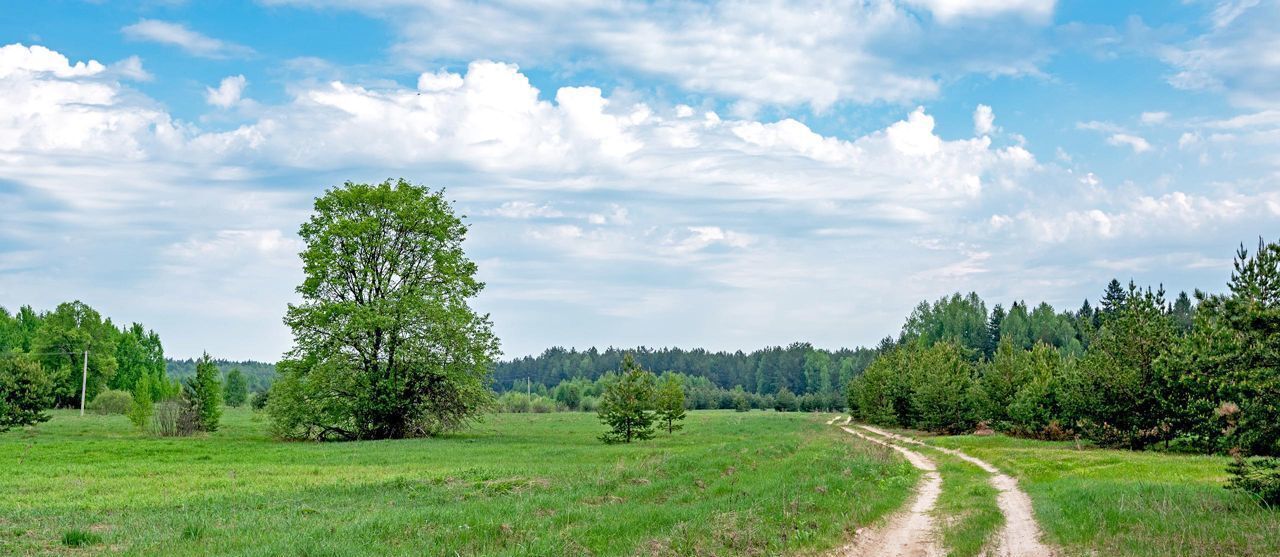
84 380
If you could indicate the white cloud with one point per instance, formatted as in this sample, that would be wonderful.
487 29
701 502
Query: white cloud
585 197
1152 118
228 92
181 36
1237 56
983 120
951 10
812 52
1138 144
915 135
525 210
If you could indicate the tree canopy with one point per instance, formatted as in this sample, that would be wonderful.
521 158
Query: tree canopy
385 343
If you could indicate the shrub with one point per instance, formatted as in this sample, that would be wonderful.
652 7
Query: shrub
260 399
112 402
1257 476
175 418
589 404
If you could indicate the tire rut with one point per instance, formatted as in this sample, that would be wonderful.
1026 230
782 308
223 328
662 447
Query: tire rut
1021 535
911 532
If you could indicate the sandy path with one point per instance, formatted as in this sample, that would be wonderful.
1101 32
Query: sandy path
1020 536
909 533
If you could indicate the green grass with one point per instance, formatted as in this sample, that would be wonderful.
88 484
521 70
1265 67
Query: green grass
1107 502
752 483
967 513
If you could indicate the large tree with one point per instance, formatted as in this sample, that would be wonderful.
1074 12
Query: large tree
385 343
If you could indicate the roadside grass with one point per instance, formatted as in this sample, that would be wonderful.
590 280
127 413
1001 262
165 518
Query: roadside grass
755 483
1109 502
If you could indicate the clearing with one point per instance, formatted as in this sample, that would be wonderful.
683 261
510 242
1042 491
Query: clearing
516 484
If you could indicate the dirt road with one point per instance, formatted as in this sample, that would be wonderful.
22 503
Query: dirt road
1020 536
910 533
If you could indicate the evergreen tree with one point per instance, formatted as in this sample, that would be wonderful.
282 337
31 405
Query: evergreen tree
1183 312
1115 389
993 331
236 391
942 396
1224 379
203 394
627 406
670 403
1112 300
25 391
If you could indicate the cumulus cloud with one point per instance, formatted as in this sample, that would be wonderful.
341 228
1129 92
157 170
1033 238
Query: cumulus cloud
983 120
228 92
608 204
181 36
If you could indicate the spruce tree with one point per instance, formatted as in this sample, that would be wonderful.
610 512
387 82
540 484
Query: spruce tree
1113 299
993 331
203 394
627 405
671 403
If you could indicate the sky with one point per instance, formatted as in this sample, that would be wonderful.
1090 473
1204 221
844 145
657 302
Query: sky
727 175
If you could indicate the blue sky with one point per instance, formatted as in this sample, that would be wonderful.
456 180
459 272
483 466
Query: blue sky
719 174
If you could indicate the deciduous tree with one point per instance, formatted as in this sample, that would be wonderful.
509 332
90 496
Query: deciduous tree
385 343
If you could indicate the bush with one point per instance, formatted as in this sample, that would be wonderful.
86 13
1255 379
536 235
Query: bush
112 402
589 404
175 418
1257 476
260 399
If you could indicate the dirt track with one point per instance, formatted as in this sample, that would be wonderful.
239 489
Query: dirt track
1020 535
910 533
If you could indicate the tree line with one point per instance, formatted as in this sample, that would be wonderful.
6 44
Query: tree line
1199 373
798 368
48 358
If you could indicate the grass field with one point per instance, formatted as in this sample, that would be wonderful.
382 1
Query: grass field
756 483
1105 502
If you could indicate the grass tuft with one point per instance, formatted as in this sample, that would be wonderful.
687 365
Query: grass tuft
80 538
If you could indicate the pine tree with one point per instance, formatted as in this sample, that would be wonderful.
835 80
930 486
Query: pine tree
993 331
627 404
671 403
1113 299
237 390
203 394
143 406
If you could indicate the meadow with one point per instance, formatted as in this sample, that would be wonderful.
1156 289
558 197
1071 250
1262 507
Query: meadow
1143 504
751 483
